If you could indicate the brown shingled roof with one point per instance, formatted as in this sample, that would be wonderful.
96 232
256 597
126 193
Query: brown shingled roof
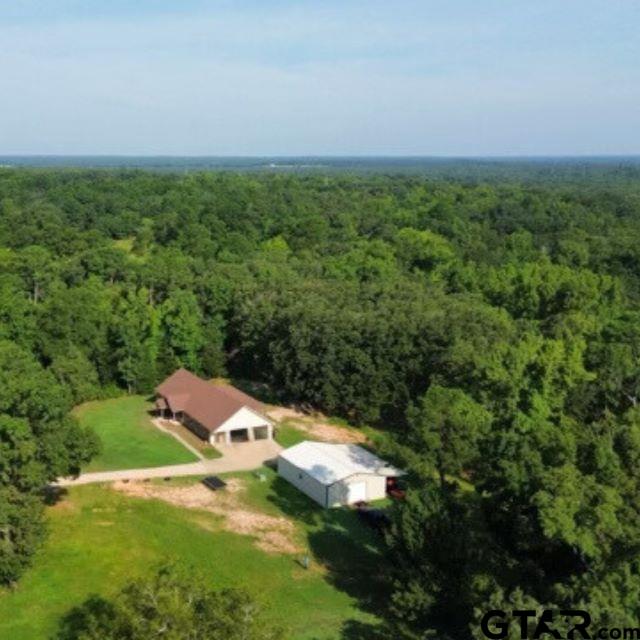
209 404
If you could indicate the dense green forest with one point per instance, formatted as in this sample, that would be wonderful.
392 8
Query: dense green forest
490 329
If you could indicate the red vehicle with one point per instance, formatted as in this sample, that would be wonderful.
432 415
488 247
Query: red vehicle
393 489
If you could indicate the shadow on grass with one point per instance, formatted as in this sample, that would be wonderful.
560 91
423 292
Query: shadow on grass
265 393
294 503
259 390
351 552
52 494
93 612
354 557
358 630
97 613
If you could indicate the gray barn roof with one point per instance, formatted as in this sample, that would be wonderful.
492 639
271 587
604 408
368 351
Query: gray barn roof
329 463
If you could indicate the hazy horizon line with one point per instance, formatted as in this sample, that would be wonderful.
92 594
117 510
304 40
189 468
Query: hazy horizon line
328 156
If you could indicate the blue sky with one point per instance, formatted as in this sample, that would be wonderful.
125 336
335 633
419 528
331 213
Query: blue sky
277 77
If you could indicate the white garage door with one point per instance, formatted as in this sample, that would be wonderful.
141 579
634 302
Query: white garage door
357 491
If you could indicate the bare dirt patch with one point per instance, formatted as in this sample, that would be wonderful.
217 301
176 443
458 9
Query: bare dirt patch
272 534
316 425
64 505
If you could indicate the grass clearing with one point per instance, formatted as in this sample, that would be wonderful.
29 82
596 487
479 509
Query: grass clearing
206 450
296 426
129 439
269 532
100 538
287 434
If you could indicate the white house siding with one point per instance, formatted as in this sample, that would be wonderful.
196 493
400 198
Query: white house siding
376 488
244 418
303 481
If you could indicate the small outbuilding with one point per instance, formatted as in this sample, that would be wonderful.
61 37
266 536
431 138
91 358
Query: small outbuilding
336 474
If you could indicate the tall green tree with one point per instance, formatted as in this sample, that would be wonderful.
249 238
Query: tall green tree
169 604
182 330
448 428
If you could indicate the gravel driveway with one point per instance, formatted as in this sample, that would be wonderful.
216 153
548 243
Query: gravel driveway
235 457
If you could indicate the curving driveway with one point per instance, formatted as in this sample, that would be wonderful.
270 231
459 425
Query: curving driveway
235 457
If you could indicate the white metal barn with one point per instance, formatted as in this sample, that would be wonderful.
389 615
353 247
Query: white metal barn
335 474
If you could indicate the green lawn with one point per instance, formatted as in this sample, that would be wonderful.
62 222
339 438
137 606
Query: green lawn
210 453
206 450
287 434
99 539
129 440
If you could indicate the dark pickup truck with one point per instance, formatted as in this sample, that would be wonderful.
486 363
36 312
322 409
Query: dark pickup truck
375 518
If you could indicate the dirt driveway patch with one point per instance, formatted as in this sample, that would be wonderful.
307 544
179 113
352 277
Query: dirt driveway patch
272 534
317 426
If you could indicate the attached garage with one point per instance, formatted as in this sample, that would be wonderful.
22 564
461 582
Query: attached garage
335 474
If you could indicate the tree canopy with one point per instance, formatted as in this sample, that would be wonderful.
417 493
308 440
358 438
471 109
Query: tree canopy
173 603
489 328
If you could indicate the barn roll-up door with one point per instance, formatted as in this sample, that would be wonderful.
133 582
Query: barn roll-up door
357 491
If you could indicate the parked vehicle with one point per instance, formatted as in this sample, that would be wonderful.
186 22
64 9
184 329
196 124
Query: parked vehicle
375 518
394 490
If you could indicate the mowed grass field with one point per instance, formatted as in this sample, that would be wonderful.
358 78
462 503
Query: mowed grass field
100 538
129 439
287 435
